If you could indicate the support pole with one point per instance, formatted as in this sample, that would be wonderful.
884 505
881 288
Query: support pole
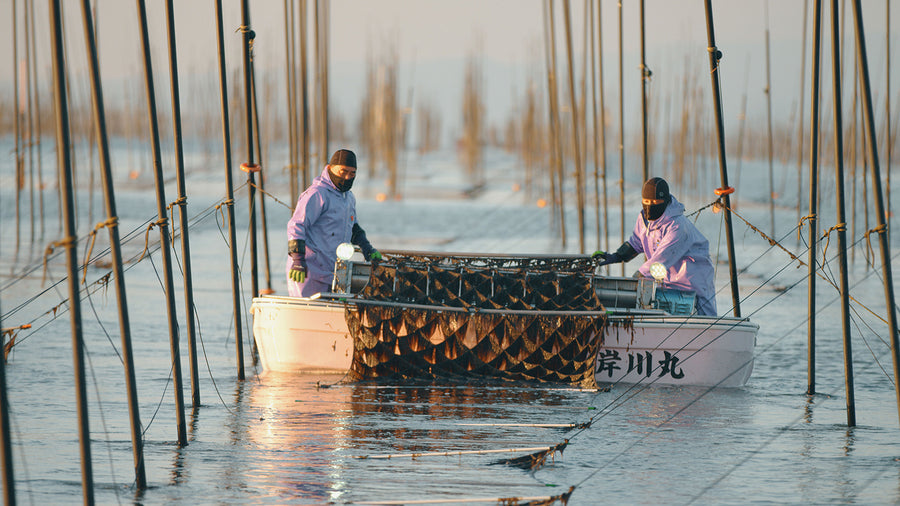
556 183
621 136
290 76
600 125
262 186
865 85
162 224
813 196
841 220
645 76
69 242
6 455
887 114
182 207
39 131
771 143
115 249
714 57
229 193
800 132
304 99
251 167
573 103
17 127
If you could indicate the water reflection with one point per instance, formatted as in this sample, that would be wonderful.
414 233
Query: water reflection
306 440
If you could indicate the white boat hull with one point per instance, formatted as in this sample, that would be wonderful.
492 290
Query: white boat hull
311 336
679 350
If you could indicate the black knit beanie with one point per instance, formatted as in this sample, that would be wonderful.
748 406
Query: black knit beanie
343 157
656 188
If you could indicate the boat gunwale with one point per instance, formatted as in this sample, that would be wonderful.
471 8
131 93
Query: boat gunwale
649 317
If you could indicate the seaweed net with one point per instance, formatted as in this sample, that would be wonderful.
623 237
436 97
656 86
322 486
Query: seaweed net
464 319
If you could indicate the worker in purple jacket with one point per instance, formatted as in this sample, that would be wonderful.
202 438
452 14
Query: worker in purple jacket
325 216
665 235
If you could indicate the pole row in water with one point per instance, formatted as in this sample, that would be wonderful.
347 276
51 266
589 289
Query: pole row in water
67 177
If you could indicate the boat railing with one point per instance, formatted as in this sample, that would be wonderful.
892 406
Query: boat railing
619 295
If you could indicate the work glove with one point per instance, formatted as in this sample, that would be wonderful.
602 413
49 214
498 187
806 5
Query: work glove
375 255
298 267
604 258
297 252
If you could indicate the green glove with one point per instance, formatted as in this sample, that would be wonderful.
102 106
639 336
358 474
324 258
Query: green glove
298 268
376 255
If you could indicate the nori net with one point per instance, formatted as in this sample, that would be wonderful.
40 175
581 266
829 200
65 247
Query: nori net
476 319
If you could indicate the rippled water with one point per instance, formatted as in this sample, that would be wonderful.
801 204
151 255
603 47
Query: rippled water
285 439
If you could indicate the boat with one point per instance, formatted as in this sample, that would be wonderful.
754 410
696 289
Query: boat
466 317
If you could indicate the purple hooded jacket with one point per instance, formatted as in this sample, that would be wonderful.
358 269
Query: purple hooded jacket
676 243
323 218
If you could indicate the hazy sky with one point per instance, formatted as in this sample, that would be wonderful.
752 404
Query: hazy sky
432 39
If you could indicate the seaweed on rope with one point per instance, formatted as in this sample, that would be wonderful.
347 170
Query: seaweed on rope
506 318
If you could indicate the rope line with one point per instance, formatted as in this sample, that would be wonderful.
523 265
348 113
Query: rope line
65 242
267 194
840 227
110 222
881 229
771 241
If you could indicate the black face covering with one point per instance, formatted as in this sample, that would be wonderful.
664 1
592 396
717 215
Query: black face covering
342 184
654 211
655 189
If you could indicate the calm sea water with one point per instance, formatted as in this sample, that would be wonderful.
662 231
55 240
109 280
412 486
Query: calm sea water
285 439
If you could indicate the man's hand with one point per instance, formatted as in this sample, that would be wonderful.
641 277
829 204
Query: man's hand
298 268
376 255
604 258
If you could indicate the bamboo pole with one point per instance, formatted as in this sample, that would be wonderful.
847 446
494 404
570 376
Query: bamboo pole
800 130
114 246
582 117
854 156
599 129
262 186
29 120
250 166
621 135
229 192
768 92
91 163
304 98
71 147
842 225
321 106
576 136
182 206
17 127
865 86
603 129
559 158
645 76
69 242
162 224
813 197
6 448
555 135
326 109
887 116
290 76
714 56
39 131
